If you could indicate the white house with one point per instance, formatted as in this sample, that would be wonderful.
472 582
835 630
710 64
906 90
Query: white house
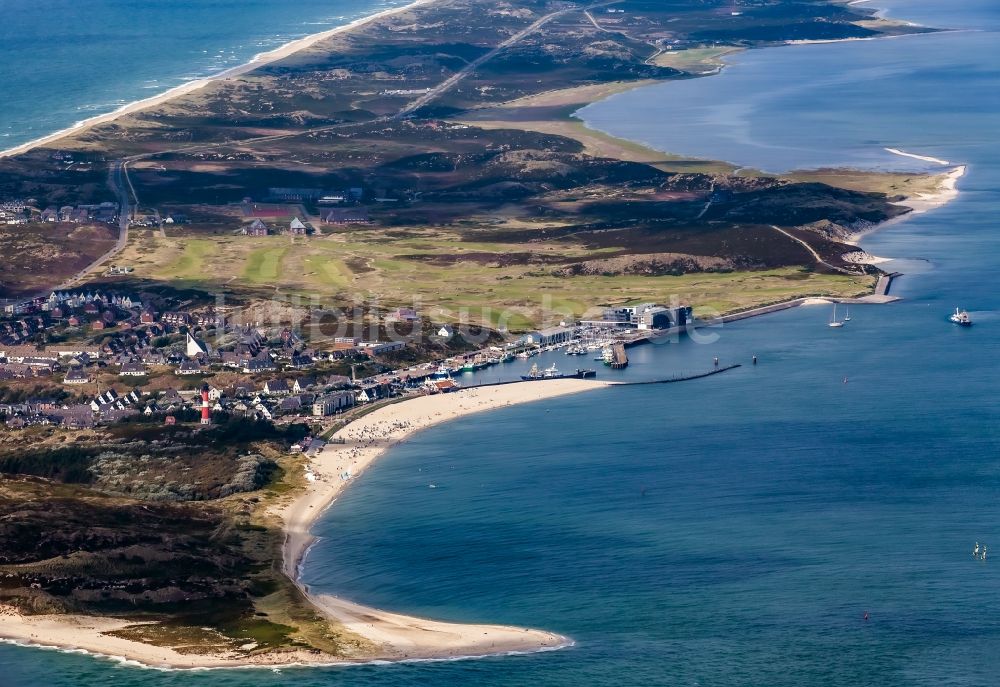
276 387
195 348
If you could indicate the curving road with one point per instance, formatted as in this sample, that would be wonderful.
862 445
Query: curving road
812 251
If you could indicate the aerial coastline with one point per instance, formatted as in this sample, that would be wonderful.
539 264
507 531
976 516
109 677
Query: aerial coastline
259 60
384 635
338 464
389 636
133 117
665 525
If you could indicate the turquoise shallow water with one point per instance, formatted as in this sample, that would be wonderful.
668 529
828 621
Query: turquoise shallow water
62 61
733 530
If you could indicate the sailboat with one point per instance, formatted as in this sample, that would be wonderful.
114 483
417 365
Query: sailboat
847 316
834 322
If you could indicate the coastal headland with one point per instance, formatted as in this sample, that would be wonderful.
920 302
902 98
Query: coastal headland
427 153
366 633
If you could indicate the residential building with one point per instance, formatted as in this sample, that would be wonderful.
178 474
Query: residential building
276 387
189 367
76 376
328 404
255 228
346 216
132 368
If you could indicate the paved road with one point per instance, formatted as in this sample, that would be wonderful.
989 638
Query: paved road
708 203
594 22
448 83
468 69
407 109
115 181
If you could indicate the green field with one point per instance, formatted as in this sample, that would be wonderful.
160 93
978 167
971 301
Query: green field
263 265
190 265
454 280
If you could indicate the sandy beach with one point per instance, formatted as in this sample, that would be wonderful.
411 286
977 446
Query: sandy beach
259 60
396 636
329 473
88 634
946 192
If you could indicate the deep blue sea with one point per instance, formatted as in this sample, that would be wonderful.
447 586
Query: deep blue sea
732 530
62 61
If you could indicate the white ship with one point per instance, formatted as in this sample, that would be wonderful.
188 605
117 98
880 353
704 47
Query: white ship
961 318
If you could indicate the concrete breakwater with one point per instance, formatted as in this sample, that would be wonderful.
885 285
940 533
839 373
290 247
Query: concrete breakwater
665 380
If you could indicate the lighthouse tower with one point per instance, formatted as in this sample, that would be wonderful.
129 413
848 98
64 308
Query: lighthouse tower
206 412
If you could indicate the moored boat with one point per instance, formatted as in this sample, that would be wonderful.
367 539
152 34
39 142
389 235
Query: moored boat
552 373
834 322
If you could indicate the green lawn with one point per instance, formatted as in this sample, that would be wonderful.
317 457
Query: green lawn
326 270
191 263
263 265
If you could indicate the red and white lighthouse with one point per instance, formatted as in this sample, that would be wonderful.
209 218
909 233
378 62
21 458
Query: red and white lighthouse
206 412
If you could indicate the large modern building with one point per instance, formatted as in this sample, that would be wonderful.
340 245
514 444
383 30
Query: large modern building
550 336
642 316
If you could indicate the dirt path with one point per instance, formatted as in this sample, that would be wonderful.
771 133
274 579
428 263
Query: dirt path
812 251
